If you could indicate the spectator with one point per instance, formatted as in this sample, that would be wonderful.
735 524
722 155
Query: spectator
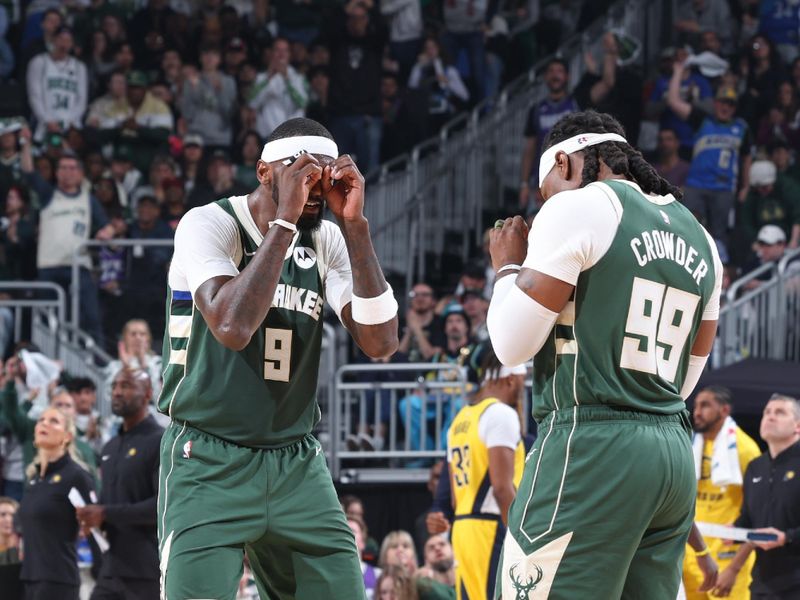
772 503
250 155
711 184
299 21
89 426
780 23
473 277
18 236
722 452
694 89
146 286
464 23
192 154
319 82
10 170
614 89
175 206
109 111
51 22
69 216
397 550
58 87
476 307
135 352
7 61
235 56
101 61
693 17
421 531
208 100
423 334
541 119
12 449
354 508
764 73
371 574
782 122
280 93
126 176
780 154
123 58
439 565
9 538
770 248
127 509
148 125
155 18
771 202
439 80
405 117
162 169
220 184
354 100
670 165
405 32
50 565
396 584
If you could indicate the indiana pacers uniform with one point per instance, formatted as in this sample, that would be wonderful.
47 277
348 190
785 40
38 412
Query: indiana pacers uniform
721 505
478 530
606 500
240 470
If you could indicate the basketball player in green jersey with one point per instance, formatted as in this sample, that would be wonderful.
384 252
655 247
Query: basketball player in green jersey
240 470
615 293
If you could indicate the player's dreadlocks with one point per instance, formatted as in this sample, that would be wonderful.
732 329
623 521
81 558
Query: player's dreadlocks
622 159
297 127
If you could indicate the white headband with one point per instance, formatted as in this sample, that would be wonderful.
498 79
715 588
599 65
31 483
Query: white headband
286 147
573 144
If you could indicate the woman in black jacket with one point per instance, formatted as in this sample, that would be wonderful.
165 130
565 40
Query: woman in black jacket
49 526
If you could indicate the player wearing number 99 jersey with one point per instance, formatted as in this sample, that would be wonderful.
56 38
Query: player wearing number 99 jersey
617 297
240 470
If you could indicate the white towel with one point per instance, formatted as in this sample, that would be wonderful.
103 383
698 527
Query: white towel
725 469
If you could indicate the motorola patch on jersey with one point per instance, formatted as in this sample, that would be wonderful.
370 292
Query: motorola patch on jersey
304 257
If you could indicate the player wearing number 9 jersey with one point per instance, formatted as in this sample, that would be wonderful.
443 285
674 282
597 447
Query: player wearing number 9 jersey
617 297
247 284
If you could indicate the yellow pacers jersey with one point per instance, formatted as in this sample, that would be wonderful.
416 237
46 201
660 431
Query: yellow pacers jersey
720 505
478 530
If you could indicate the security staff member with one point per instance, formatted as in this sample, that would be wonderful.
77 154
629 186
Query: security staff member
772 505
127 509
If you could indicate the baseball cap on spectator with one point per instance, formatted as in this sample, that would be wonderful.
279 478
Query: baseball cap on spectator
122 153
220 154
63 29
141 192
147 198
727 94
137 79
10 125
236 44
763 172
192 139
171 182
769 235
455 309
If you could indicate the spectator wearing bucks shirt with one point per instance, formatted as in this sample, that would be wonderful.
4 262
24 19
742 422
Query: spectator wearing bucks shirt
58 87
541 119
721 152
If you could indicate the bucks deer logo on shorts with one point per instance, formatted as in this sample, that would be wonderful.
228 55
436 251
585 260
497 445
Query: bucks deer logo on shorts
523 590
187 449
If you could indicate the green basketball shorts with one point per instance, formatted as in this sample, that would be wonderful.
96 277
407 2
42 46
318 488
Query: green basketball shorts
218 501
603 510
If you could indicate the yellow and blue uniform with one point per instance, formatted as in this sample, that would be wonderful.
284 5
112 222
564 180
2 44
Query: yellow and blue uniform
720 505
478 529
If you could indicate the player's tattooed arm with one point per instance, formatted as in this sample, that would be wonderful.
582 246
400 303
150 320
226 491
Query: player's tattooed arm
235 307
345 198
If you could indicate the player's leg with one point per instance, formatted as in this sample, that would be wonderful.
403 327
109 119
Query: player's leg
211 501
655 570
587 497
476 548
309 551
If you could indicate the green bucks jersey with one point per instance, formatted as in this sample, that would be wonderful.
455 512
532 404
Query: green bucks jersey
265 394
645 274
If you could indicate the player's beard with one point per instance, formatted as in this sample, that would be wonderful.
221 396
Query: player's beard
306 224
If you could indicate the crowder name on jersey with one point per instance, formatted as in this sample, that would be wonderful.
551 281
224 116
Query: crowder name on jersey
298 299
657 244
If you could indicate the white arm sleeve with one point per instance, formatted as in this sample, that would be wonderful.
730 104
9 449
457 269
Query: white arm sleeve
498 426
206 246
711 309
337 275
696 366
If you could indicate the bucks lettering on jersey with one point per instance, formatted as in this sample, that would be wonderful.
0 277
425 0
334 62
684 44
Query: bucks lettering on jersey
264 395
624 338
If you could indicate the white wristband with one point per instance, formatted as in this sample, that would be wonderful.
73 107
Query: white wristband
285 224
374 311
509 268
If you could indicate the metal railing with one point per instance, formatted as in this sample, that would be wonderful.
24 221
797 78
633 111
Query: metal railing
421 201
410 414
761 316
42 315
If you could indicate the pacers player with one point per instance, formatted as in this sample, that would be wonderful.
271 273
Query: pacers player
239 467
616 292
486 456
